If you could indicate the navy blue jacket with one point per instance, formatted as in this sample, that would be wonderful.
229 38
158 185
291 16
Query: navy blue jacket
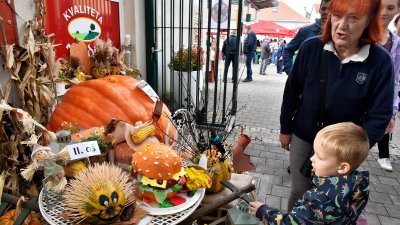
334 200
294 45
229 46
281 49
359 92
250 43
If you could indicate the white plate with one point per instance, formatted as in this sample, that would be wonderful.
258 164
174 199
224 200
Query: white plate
156 210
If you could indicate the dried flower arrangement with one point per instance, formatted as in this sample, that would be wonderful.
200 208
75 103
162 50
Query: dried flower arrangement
70 70
181 61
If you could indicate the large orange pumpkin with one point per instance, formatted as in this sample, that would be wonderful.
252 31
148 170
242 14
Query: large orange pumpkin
93 103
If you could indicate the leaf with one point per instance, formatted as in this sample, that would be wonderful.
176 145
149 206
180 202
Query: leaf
160 195
9 56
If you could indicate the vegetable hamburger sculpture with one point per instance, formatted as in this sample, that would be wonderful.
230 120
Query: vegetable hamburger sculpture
158 171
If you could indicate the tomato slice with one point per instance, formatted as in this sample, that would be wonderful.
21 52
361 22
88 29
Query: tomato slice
177 200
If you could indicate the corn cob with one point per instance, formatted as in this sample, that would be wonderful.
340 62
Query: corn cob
142 133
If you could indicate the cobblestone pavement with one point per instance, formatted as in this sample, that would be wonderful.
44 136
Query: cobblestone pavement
259 103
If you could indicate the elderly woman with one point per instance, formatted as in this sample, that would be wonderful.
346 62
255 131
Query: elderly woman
356 85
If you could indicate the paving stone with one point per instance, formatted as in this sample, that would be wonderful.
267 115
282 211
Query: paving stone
252 152
372 186
276 149
397 187
393 210
280 191
395 199
374 179
268 155
379 197
385 188
372 219
376 208
274 162
287 182
376 171
388 180
273 201
284 204
388 220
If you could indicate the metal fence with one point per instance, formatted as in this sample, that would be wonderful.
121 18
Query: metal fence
178 43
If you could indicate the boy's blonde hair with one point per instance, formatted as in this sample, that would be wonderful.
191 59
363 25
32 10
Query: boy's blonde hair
347 141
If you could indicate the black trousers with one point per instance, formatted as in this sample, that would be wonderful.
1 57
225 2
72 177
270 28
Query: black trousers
228 59
383 146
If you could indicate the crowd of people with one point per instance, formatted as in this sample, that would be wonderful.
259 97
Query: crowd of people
340 99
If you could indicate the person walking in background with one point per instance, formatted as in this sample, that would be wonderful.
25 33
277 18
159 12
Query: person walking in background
391 43
249 49
274 47
359 85
304 33
279 56
229 55
265 55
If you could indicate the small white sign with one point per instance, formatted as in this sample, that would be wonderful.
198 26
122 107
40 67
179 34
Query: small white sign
147 89
83 150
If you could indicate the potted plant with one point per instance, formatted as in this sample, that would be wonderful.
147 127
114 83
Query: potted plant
183 61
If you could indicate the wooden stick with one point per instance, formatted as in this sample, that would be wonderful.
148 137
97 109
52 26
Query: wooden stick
206 209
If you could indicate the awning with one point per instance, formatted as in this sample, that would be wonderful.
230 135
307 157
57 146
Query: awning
296 29
270 29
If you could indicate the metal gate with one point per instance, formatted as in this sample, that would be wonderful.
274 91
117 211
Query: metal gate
178 41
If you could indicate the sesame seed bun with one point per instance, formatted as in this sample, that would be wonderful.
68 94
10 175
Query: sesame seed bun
156 161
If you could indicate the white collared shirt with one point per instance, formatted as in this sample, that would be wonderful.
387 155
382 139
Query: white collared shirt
360 56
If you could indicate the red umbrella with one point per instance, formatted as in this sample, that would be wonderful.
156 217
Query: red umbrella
270 28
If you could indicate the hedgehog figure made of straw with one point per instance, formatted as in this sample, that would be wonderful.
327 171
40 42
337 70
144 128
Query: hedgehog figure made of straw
98 195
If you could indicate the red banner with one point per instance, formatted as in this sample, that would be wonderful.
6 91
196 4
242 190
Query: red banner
82 20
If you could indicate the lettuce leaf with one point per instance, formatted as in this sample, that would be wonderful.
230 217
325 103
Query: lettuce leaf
160 195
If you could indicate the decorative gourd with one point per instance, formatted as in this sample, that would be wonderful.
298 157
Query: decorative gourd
98 195
9 218
219 171
93 103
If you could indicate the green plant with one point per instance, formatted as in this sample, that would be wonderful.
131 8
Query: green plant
103 145
180 60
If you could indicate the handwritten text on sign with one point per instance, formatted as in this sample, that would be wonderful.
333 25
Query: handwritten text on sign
83 150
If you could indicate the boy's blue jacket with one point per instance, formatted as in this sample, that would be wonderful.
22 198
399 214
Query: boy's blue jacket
334 200
358 91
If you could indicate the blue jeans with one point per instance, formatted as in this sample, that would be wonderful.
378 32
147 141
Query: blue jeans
279 66
263 66
249 59
274 61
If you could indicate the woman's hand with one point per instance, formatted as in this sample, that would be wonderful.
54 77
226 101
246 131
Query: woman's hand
390 127
254 207
285 140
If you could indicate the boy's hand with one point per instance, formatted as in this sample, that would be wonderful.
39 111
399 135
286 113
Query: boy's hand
254 207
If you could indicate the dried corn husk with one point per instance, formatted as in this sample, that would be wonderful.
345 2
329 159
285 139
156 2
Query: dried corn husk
33 69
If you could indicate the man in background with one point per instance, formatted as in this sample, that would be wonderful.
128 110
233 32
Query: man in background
265 55
249 49
229 55
304 33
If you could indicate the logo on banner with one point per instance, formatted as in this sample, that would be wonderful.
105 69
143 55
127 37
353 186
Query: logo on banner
85 25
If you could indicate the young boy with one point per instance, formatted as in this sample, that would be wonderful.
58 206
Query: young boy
341 192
